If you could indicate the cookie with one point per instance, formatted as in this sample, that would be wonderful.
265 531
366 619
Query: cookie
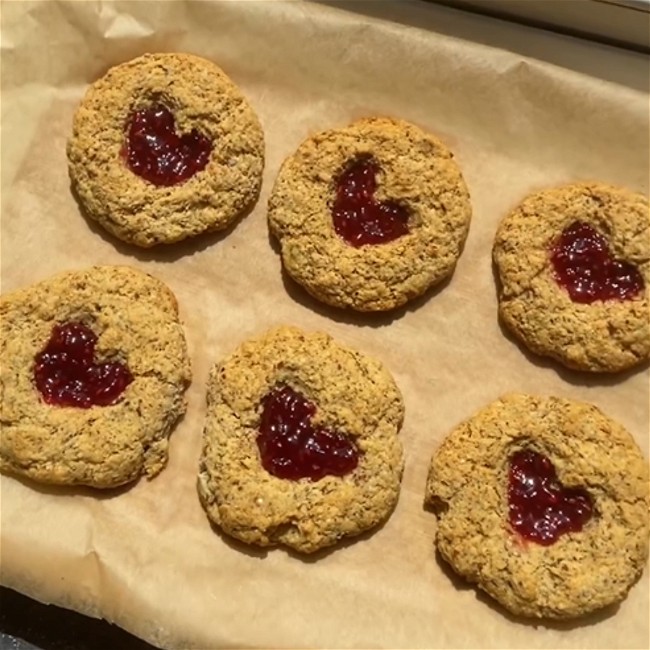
93 370
543 503
300 444
370 216
573 265
165 147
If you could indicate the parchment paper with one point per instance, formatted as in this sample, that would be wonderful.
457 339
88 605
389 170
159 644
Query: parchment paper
146 557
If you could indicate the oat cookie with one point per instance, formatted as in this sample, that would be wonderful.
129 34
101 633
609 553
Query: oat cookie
93 369
165 147
574 266
300 444
544 546
370 216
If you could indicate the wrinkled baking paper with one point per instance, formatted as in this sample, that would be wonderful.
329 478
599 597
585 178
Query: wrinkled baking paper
146 557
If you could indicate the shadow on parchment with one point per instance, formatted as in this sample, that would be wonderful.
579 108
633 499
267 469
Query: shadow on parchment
87 491
163 252
73 490
584 621
575 377
308 558
361 319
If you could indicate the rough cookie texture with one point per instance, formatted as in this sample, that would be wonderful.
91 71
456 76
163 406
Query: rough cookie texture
353 393
201 97
604 336
580 572
416 170
135 318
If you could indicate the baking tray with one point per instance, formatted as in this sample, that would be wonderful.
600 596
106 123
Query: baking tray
516 123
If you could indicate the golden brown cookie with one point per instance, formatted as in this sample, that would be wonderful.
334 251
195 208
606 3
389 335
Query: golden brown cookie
543 503
300 444
165 147
93 370
574 265
370 216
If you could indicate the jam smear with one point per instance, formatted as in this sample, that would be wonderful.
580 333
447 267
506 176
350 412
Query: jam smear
584 266
541 509
154 151
292 448
358 217
66 374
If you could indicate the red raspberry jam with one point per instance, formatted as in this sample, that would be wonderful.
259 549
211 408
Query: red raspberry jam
154 151
358 217
584 266
66 374
540 507
292 448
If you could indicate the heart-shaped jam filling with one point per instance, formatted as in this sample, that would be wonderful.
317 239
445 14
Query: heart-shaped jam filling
292 447
357 215
154 151
584 266
66 374
540 508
